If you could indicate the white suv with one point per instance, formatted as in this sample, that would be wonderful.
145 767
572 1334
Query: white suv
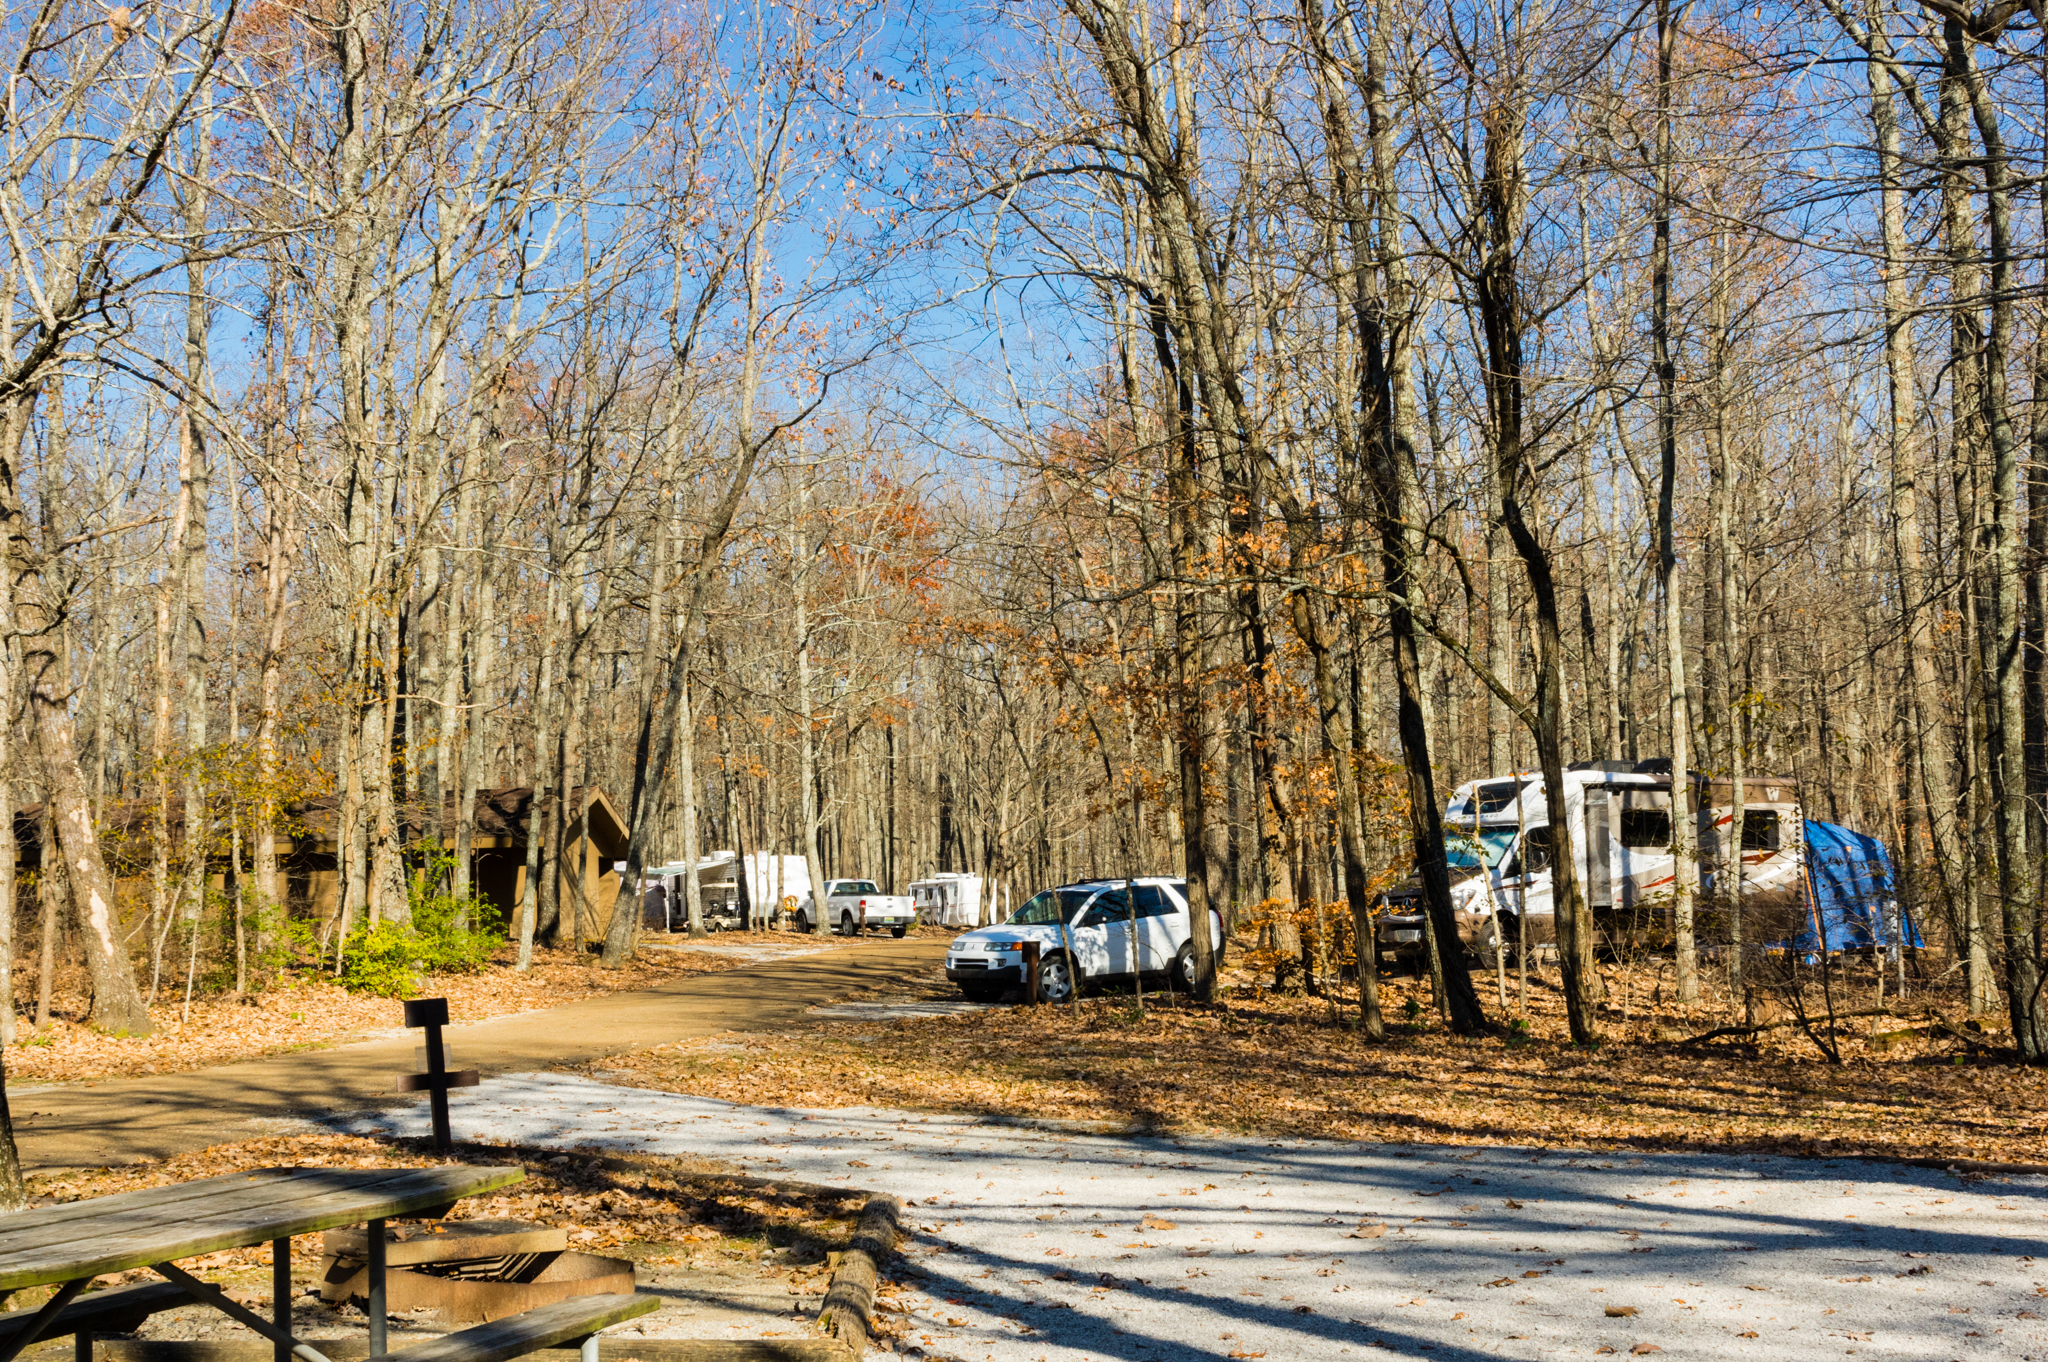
1085 935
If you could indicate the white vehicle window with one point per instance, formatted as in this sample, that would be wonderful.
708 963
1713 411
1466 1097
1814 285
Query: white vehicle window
1461 852
1496 795
1760 830
858 887
1649 829
1153 902
1109 906
1534 855
1052 907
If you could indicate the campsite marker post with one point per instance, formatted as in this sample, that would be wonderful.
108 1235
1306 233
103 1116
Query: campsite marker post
432 1014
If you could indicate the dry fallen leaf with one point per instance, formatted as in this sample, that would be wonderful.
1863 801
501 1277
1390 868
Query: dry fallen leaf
1644 1348
1368 1230
1245 1064
1153 1222
1620 1311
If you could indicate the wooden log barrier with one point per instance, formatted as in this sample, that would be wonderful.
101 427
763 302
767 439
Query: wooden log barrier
849 1309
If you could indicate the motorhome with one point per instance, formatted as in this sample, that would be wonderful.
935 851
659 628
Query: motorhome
1498 839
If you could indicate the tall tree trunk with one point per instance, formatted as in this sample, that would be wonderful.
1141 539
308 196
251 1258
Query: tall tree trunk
540 796
1971 440
117 1006
2004 672
1726 695
1684 849
278 510
807 736
1924 698
1502 190
9 849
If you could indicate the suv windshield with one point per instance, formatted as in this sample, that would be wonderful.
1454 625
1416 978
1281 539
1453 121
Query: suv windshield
1461 852
1052 907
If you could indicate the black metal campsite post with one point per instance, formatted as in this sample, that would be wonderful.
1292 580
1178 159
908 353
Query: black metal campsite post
432 1013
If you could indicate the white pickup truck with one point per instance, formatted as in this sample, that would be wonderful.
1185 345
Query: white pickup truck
854 905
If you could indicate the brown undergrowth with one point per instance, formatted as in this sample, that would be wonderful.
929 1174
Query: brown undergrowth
1294 1065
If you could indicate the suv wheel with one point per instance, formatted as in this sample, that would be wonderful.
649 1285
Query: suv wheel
1055 979
1183 977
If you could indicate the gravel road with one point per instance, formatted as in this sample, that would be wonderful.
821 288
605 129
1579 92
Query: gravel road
1047 1243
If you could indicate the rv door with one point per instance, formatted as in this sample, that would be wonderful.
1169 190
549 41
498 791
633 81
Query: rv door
1598 839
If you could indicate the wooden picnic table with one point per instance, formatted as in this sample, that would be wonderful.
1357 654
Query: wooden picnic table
69 1245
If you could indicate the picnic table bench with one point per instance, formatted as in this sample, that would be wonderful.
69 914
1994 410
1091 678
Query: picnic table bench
70 1245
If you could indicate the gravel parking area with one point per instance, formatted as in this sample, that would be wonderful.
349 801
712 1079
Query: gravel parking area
1059 1244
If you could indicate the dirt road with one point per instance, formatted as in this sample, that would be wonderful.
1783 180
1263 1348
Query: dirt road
118 1121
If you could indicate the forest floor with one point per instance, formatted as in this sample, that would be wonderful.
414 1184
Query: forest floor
309 1011
1285 1064
733 1257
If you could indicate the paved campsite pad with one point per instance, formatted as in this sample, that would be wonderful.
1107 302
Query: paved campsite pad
1047 1243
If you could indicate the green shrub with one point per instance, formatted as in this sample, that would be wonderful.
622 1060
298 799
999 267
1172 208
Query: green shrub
448 935
382 960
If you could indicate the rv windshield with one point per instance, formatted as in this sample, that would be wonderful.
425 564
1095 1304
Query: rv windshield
1461 852
1052 907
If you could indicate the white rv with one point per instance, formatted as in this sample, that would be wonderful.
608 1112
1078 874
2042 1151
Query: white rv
1497 839
664 902
948 899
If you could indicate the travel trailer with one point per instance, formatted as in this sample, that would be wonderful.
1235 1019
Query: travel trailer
948 899
729 885
664 897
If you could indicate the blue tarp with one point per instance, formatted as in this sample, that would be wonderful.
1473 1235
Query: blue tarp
1853 892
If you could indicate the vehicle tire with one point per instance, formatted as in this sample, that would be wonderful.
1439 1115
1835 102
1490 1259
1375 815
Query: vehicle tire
898 931
1182 977
982 993
846 927
1510 928
1055 979
804 923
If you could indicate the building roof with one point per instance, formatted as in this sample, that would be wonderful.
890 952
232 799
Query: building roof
308 826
